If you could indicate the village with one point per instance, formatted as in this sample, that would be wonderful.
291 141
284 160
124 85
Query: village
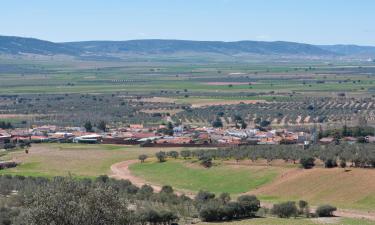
164 136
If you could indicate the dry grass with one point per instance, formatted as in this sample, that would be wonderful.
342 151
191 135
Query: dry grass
75 159
352 189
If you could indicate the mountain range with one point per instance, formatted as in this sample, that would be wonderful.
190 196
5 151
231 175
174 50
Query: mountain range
10 45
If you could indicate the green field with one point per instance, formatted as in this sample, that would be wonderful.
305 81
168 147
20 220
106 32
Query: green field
71 159
54 76
217 179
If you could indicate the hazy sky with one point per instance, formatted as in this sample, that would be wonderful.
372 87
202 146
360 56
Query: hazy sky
310 21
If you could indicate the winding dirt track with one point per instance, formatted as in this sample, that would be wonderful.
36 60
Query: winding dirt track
121 171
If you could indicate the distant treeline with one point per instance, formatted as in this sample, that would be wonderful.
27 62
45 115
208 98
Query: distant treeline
355 155
346 131
5 125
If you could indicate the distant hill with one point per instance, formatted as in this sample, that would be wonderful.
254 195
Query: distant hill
111 50
354 51
20 45
178 46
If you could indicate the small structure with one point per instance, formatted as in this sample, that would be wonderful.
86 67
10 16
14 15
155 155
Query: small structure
88 139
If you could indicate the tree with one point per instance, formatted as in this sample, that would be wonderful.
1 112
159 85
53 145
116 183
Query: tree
264 123
285 209
142 158
145 192
304 208
206 161
173 154
217 123
160 156
325 210
185 153
308 162
204 196
102 126
343 163
330 163
64 201
249 204
211 211
224 198
88 126
166 189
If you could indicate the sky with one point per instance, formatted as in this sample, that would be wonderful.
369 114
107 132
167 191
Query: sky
307 21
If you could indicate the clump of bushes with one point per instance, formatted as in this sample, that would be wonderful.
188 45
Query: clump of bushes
325 211
307 162
285 210
222 209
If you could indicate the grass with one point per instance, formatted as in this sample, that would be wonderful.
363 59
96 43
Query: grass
194 178
78 160
354 189
298 221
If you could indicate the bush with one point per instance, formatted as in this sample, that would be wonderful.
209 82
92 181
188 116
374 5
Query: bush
285 210
206 161
325 211
185 154
211 211
330 163
307 163
161 156
142 158
173 154
204 196
249 204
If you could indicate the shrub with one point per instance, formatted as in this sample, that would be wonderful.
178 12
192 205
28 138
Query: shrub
307 163
325 211
142 158
211 211
285 210
249 204
185 154
342 163
173 154
166 189
204 196
161 156
330 163
206 161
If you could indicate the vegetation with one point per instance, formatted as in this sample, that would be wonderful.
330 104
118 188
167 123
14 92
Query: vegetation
325 210
359 155
217 179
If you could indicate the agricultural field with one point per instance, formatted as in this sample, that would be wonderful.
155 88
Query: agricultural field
353 189
71 159
281 182
192 177
69 92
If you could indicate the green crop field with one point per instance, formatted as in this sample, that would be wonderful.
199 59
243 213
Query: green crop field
194 178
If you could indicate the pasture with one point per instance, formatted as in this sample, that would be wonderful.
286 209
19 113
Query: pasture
192 177
353 189
71 159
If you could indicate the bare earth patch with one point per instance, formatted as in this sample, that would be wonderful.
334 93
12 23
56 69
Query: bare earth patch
12 116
